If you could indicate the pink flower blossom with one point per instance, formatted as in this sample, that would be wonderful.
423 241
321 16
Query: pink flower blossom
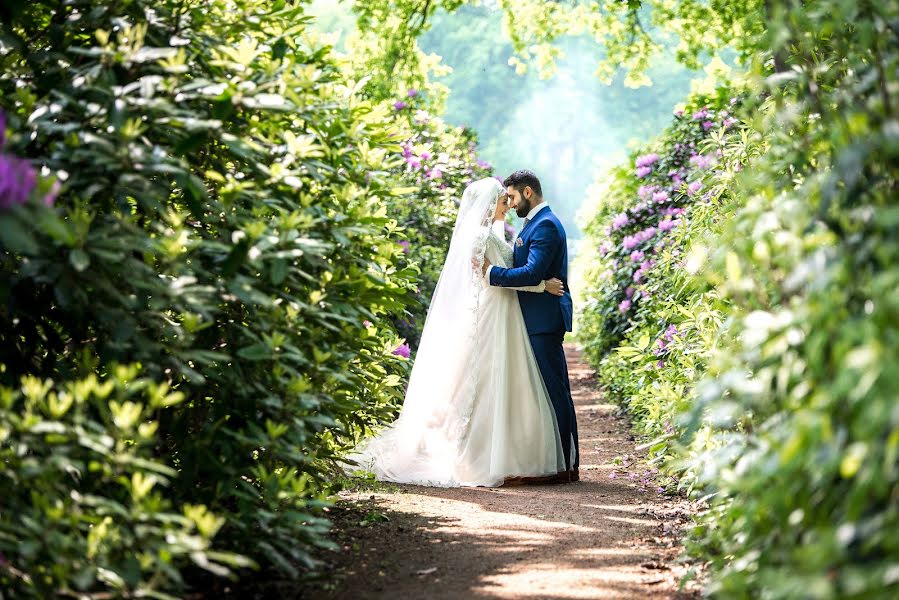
620 221
629 292
412 93
646 191
693 188
701 162
668 224
660 197
403 350
670 332
624 306
17 181
399 105
699 115
405 245
707 125
643 171
637 256
629 242
646 160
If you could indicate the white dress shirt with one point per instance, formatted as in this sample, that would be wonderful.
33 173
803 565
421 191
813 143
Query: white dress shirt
528 218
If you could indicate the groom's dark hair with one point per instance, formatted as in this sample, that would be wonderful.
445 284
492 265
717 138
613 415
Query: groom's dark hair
523 178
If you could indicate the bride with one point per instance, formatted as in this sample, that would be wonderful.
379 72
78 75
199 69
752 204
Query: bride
476 410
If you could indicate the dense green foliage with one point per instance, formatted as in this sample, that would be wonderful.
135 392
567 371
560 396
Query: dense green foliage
560 128
778 373
223 223
218 232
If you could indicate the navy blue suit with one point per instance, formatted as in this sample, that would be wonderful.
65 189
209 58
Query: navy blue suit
541 252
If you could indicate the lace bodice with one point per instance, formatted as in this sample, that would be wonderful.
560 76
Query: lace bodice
498 251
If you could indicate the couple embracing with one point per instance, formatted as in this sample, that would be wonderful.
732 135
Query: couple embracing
489 400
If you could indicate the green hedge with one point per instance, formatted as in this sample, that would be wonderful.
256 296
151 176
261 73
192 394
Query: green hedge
223 224
774 394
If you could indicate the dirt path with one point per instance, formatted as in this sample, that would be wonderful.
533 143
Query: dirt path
607 536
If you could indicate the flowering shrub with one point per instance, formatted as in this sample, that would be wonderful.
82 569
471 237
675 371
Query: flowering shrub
224 224
437 162
760 349
638 220
19 180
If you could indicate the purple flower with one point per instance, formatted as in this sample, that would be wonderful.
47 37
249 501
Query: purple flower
679 113
50 197
399 105
699 115
660 364
629 292
435 173
647 160
620 221
407 151
402 350
672 211
646 234
637 256
729 122
425 155
17 181
414 162
707 125
701 161
412 93
484 164
694 187
670 332
660 197
604 248
646 191
624 306
668 224
629 242
405 245
643 171
367 324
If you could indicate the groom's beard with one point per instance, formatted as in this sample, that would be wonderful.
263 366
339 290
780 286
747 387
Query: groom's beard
523 208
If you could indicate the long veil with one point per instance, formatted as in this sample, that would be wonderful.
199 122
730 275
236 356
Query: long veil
422 444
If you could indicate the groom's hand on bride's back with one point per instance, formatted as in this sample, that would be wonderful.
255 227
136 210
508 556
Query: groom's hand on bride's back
555 287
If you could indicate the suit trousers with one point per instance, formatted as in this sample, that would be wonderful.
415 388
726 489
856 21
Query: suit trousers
554 368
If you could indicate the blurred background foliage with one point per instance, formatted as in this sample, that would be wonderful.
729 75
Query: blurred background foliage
222 221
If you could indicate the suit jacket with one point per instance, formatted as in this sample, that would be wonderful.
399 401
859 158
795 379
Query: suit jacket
541 254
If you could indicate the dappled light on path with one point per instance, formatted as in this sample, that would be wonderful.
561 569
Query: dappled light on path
601 537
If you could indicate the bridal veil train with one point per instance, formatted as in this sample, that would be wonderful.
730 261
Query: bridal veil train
476 410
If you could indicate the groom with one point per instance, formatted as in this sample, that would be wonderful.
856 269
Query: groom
541 252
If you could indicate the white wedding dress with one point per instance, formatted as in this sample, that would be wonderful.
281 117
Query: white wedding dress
476 410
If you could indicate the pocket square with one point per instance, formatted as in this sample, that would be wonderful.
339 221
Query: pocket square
519 242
